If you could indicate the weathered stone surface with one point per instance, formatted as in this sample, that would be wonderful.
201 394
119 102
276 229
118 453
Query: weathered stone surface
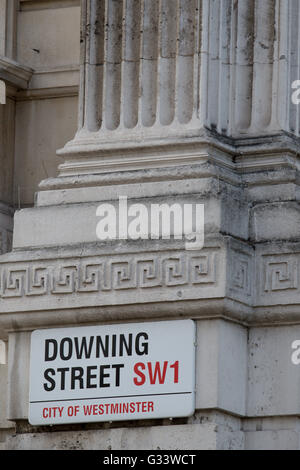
6 228
198 437
221 377
274 381
279 433
17 376
208 431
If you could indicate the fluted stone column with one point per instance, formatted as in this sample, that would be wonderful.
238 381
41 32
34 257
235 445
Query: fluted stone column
156 74
181 101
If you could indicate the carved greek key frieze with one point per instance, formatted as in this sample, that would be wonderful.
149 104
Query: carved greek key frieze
203 269
240 273
281 274
96 275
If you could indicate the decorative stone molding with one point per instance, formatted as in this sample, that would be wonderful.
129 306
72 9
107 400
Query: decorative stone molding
278 277
252 283
241 273
106 280
14 73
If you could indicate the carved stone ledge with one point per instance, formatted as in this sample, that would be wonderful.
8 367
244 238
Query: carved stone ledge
14 73
227 279
115 279
114 284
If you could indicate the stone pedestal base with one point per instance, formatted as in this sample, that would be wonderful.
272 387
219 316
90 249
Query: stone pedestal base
241 289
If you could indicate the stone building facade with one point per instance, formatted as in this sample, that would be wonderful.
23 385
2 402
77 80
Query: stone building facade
168 101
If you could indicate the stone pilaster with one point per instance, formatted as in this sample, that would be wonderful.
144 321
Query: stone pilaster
6 174
15 77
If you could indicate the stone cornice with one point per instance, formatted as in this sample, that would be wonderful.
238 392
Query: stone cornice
46 93
227 279
14 73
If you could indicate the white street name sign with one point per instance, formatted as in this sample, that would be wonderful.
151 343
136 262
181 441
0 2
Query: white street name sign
112 373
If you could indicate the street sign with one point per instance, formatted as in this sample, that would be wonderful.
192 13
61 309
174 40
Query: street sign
112 372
